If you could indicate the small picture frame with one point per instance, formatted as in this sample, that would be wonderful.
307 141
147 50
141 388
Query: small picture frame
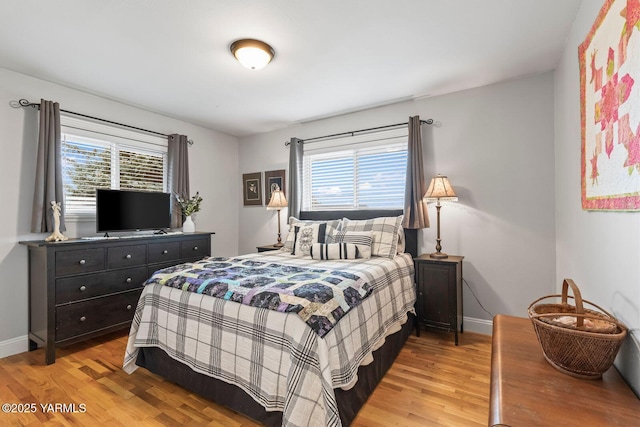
252 189
273 180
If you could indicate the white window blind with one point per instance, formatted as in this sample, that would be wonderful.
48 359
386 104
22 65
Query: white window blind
101 156
364 172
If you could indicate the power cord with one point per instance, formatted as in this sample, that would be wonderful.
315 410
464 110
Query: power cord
476 297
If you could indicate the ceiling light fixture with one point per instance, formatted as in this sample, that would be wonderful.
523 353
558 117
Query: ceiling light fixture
253 54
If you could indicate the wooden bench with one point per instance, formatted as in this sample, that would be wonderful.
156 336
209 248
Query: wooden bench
527 391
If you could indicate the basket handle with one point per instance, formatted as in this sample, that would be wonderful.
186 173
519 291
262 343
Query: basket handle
577 296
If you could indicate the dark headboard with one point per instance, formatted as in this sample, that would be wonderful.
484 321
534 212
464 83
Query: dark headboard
410 235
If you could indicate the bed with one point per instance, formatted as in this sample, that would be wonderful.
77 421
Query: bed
271 365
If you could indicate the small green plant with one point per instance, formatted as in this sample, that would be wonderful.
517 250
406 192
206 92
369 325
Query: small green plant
191 206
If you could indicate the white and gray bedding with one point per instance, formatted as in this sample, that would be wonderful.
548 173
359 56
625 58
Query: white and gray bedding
275 357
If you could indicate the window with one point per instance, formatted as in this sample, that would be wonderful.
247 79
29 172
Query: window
101 156
369 175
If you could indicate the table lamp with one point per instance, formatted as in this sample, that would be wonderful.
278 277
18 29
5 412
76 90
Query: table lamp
277 202
439 189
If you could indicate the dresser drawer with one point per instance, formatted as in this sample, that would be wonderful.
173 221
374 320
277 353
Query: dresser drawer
79 261
165 251
126 256
93 315
197 248
94 285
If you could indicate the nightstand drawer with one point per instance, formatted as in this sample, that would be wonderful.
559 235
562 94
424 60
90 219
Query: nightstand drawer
126 256
94 285
79 261
92 315
195 248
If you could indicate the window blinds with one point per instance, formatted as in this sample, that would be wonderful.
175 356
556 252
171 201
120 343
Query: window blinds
362 172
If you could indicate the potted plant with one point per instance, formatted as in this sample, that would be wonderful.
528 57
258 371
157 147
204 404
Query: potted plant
188 208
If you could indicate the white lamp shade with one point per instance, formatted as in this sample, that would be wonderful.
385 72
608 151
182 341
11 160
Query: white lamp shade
440 189
278 201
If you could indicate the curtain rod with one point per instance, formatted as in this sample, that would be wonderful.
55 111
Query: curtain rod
353 132
25 103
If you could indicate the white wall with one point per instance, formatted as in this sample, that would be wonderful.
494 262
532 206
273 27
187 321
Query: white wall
495 143
599 250
213 163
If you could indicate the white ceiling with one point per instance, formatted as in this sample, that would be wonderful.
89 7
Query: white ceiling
332 56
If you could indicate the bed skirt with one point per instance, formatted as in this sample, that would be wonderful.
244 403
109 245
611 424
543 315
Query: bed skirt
349 401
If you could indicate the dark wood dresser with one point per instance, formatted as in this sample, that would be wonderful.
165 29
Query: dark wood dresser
79 289
439 302
527 391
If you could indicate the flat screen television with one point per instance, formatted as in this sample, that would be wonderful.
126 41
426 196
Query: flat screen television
127 210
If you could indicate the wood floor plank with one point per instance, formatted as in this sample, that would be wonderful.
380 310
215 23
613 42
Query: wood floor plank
432 383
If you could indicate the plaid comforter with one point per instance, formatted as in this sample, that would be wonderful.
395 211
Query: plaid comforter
275 357
320 296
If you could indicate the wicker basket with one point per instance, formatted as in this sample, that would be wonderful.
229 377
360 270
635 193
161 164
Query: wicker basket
577 341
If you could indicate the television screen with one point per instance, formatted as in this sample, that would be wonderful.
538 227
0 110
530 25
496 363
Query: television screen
126 210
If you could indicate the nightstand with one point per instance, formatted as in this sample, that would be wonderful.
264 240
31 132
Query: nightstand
439 293
267 248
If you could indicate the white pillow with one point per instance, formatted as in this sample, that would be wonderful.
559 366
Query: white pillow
305 236
362 239
329 251
332 227
384 231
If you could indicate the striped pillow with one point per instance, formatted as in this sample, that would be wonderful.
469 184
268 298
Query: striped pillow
328 251
362 239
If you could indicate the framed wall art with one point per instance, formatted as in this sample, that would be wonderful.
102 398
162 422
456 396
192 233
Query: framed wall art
272 181
252 189
609 61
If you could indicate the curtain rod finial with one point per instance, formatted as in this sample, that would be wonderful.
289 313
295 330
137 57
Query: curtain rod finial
23 103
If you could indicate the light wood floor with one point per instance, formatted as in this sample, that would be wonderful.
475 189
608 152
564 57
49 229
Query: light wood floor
432 383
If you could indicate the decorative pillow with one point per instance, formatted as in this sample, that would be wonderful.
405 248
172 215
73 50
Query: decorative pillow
362 239
333 251
332 227
306 236
384 231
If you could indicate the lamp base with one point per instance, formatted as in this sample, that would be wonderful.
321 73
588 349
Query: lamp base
278 245
439 255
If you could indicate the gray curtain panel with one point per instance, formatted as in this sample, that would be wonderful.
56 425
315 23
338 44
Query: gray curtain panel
296 150
178 159
48 185
415 208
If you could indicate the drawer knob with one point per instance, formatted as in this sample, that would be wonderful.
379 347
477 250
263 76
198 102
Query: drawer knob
165 252
128 256
83 318
195 248
82 262
129 307
83 288
128 279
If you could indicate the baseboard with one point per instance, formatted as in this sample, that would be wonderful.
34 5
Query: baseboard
480 326
14 346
